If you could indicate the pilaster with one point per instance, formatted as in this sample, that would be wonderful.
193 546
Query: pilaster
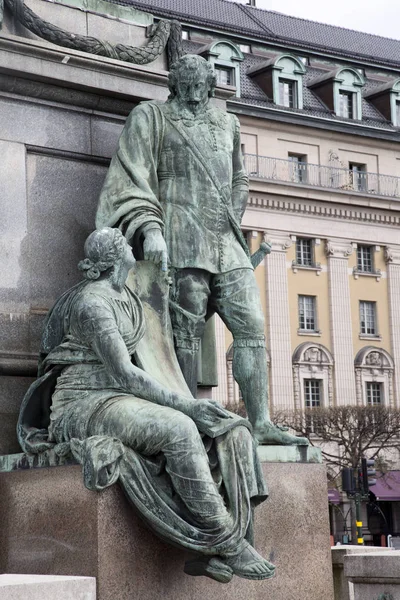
338 252
278 322
392 256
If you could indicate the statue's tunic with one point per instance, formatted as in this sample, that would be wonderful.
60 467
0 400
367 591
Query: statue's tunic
184 174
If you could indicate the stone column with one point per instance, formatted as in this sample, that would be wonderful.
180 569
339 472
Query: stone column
278 323
220 393
338 252
392 256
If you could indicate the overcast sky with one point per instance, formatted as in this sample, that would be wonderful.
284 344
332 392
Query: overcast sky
380 17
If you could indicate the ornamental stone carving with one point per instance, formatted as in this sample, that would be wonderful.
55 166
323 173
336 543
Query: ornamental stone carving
374 365
312 361
392 255
338 248
279 241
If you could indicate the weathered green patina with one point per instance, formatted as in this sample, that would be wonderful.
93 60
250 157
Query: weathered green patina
111 396
177 188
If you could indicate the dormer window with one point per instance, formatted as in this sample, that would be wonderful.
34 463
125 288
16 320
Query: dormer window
340 90
225 76
287 93
386 98
281 79
225 58
346 104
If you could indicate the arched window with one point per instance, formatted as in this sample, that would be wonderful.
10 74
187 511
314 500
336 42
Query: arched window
281 78
374 377
225 58
312 376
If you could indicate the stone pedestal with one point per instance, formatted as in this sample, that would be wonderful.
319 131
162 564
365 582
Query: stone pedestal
339 553
46 587
51 524
374 576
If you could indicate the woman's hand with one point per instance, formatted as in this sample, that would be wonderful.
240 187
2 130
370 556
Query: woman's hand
205 411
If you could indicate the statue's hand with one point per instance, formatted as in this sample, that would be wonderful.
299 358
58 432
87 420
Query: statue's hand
155 248
205 411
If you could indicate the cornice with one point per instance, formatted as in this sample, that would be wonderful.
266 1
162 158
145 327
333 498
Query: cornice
323 211
336 248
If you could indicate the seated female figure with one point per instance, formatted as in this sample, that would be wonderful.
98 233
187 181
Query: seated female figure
194 491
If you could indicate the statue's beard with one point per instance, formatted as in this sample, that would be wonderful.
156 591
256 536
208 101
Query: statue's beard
195 108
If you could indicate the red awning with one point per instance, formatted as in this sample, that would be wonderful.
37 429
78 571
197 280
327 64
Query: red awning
387 486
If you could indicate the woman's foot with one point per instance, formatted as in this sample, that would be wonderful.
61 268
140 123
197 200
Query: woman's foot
249 564
270 434
213 567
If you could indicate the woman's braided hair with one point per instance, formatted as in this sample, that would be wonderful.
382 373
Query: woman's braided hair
102 250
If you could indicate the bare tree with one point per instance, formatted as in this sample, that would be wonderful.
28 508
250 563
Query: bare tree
347 433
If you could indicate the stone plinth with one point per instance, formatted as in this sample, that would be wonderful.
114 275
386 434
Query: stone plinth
46 587
51 524
340 582
374 576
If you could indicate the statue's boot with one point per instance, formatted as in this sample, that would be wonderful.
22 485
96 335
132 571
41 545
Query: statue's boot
250 371
188 362
209 567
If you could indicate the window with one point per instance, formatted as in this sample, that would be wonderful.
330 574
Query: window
225 76
358 175
312 393
246 48
364 259
346 104
368 318
398 114
287 93
304 252
312 399
185 34
298 168
307 313
374 393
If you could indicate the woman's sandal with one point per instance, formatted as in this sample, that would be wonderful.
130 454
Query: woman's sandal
209 567
235 565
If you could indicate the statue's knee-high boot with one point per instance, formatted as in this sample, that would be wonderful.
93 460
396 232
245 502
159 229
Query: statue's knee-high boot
250 371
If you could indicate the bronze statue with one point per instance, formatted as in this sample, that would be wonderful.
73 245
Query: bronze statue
177 189
189 467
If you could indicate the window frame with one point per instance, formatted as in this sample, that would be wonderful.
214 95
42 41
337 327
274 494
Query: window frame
300 251
223 68
369 394
350 95
359 176
298 167
293 92
302 299
363 318
361 259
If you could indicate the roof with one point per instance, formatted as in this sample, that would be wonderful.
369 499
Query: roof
244 20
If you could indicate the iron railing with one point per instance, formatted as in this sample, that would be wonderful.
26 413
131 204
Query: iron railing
336 178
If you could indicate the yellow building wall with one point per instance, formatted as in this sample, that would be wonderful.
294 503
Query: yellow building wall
367 288
308 283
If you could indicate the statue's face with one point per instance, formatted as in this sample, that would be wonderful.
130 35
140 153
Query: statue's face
192 91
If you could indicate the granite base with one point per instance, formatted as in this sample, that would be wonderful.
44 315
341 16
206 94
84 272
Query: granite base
46 587
51 524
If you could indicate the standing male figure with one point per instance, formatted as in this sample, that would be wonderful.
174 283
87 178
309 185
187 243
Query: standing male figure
177 189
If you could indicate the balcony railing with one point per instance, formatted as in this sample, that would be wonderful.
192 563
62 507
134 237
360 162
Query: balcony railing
335 178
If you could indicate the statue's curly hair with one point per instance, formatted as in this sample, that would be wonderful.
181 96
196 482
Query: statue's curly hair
102 250
196 66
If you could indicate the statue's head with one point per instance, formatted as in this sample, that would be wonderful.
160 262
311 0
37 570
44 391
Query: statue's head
192 82
106 250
